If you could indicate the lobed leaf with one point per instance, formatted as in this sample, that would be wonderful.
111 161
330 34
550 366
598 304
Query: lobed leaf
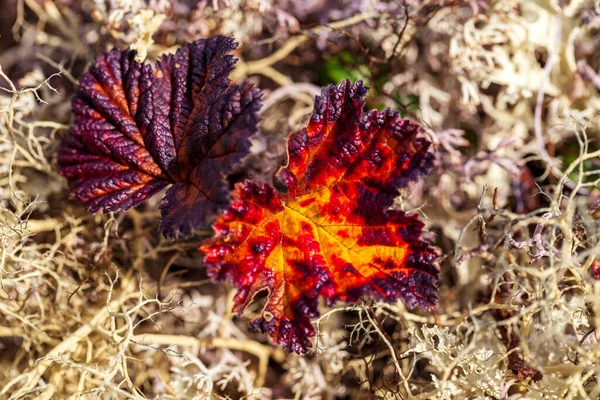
137 130
333 235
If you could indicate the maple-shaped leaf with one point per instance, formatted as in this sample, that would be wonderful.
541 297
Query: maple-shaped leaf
333 235
138 129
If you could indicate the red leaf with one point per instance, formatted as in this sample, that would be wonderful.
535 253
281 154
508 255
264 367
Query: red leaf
333 236
595 270
137 130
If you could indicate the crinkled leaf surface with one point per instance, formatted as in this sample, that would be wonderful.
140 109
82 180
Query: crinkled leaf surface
138 129
333 235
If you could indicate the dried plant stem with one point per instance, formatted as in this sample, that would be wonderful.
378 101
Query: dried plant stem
284 81
264 66
385 338
299 90
258 66
42 225
59 67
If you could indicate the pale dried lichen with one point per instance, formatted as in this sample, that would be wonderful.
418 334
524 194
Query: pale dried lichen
69 327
